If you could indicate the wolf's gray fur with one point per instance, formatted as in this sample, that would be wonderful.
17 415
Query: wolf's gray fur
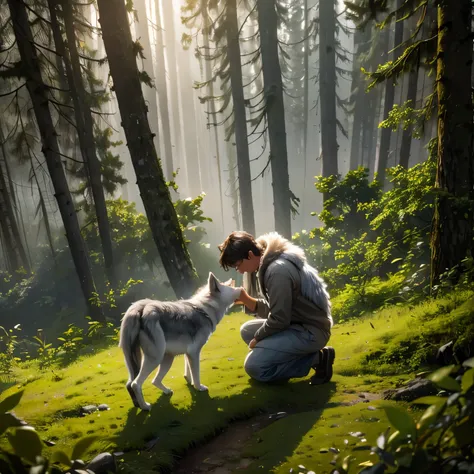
161 330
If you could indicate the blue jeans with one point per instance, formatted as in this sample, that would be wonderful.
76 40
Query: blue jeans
284 355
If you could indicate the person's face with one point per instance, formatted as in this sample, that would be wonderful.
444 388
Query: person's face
248 265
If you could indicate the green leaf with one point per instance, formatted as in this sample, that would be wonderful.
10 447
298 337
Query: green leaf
10 402
442 379
429 400
26 442
469 362
401 420
60 457
430 415
81 446
396 260
467 380
7 420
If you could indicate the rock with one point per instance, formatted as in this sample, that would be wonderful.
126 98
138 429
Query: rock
88 409
78 463
277 416
414 389
103 407
103 464
445 354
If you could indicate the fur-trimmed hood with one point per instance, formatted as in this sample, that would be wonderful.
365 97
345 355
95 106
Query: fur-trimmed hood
274 246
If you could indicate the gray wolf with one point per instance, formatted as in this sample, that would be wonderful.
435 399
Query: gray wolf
153 332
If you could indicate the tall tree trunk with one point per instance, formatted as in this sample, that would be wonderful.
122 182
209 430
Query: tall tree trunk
386 132
10 253
85 130
211 111
412 90
38 93
41 204
7 198
275 111
170 48
327 86
452 234
190 129
143 36
361 41
306 82
232 181
162 88
155 194
240 119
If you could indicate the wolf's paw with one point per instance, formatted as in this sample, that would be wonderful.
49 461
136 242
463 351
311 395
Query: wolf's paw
146 406
167 391
201 388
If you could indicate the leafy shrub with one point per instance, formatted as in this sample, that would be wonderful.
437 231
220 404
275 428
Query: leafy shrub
441 441
367 233
27 452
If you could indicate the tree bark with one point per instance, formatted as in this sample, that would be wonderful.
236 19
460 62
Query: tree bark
412 90
143 36
13 238
240 119
361 39
85 130
162 88
155 194
38 93
275 111
211 103
452 234
11 256
327 85
386 133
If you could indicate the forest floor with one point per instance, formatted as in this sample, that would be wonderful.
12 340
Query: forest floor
240 424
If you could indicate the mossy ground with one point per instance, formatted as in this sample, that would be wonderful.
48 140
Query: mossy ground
373 354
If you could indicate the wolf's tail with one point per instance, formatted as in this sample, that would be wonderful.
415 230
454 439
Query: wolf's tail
130 341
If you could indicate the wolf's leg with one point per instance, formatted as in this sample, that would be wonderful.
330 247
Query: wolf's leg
152 357
193 359
162 371
187 370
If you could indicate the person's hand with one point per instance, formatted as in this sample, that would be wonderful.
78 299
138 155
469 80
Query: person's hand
253 343
242 296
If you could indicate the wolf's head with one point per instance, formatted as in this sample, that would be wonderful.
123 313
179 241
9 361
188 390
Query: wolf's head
224 292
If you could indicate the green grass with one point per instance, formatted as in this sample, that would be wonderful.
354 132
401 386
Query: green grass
313 438
52 398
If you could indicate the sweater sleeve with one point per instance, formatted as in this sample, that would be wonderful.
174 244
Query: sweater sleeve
280 296
262 309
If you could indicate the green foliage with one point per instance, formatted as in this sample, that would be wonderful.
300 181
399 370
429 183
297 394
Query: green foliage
27 453
441 441
368 234
405 116
8 344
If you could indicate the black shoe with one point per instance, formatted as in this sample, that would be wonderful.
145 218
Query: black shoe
324 368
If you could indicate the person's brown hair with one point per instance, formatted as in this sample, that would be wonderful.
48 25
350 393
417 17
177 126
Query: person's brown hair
237 247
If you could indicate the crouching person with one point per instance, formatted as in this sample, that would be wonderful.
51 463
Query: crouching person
293 325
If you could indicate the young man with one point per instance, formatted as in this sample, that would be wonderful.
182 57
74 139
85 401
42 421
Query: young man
294 322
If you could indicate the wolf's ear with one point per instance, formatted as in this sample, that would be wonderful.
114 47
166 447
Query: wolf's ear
213 283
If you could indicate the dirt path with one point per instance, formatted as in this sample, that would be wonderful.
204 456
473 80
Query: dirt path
222 455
